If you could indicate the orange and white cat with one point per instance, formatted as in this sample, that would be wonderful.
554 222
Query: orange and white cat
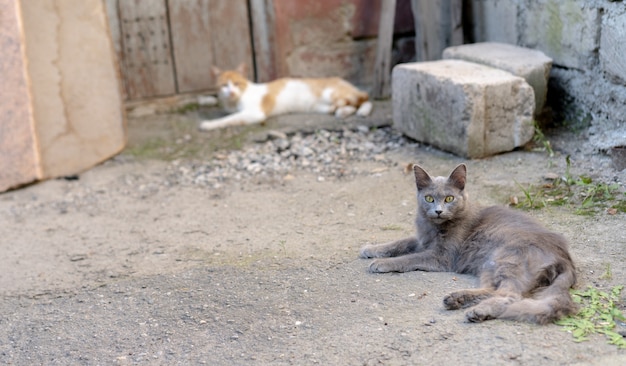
252 103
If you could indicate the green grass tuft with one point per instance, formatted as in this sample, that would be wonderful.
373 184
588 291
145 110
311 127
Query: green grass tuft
581 193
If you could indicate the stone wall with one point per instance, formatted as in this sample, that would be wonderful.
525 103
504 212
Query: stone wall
585 38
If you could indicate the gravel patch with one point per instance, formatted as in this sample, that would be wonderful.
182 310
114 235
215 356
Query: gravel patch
328 154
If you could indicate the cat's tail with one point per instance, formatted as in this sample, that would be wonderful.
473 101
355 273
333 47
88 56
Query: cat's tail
546 305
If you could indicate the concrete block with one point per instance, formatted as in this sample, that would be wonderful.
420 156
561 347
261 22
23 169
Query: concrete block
567 31
532 65
613 47
64 112
466 108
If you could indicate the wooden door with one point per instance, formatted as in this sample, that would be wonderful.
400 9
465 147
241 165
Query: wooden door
166 47
146 51
205 33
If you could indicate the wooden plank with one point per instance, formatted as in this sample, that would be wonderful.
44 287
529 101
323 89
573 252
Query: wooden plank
205 33
147 59
112 13
192 43
263 23
231 34
382 69
438 24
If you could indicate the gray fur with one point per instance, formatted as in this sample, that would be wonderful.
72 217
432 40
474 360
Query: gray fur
525 270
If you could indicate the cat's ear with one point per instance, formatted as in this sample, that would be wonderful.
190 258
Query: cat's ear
215 70
422 179
242 68
458 176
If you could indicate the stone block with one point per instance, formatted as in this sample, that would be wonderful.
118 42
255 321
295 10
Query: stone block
532 65
613 47
61 109
462 107
567 31
18 153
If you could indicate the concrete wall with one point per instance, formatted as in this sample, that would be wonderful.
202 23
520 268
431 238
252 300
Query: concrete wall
586 40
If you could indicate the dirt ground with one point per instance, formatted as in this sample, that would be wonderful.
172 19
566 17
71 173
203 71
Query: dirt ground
117 267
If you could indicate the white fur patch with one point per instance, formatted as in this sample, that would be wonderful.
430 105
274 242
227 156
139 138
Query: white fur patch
327 95
296 96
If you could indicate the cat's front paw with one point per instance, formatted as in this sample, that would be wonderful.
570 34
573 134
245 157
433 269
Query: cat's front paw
382 266
367 251
207 126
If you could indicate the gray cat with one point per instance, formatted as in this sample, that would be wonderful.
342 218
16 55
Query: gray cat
525 270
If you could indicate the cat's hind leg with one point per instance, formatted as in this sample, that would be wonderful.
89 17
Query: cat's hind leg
345 111
365 109
508 285
547 304
466 298
491 308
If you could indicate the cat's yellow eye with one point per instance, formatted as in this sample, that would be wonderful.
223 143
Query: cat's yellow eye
429 199
449 199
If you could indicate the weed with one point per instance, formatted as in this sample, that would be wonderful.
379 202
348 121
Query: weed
593 194
148 149
391 227
540 139
531 200
620 206
190 107
608 273
597 314
569 180
582 193
283 246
